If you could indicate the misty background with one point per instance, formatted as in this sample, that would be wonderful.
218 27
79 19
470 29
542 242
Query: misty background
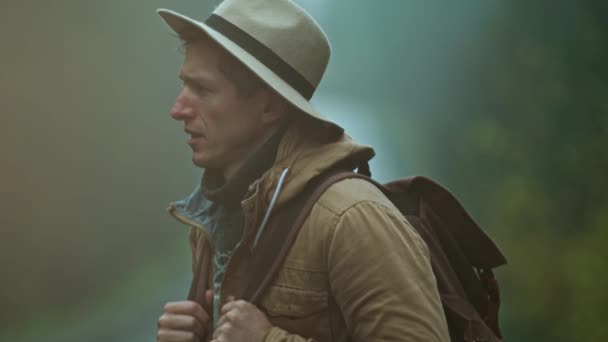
504 102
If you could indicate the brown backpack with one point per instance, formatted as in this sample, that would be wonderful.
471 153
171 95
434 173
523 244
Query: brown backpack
462 255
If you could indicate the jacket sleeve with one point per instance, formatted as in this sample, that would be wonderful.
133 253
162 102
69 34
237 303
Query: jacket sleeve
381 278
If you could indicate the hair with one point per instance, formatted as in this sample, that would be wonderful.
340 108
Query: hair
246 82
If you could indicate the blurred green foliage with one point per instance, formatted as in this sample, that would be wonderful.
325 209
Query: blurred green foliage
505 102
530 149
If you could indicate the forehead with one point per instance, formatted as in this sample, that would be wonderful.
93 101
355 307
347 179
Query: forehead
202 56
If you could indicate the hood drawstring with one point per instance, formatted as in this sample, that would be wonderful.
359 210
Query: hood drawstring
270 206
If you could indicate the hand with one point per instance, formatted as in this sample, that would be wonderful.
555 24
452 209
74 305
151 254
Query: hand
241 322
184 321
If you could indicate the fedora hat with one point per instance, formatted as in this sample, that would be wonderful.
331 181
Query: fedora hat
276 39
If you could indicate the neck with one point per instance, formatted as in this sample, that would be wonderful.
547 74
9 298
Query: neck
230 171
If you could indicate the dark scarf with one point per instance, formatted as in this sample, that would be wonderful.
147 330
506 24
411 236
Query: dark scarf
227 196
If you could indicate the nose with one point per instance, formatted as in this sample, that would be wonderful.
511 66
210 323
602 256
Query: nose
181 109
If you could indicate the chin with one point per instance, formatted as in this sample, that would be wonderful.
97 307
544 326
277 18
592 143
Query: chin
205 161
199 161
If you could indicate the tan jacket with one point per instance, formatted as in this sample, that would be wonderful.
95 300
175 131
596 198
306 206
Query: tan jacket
357 268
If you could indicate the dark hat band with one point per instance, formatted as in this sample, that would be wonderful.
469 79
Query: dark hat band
263 54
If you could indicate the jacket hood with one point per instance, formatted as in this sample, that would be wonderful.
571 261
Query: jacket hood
307 150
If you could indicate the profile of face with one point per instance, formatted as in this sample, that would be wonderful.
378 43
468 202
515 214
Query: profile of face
223 125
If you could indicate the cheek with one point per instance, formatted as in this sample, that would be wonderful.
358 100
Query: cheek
229 120
209 115
234 128
249 114
247 123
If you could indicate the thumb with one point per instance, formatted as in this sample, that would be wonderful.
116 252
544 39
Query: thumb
202 297
208 298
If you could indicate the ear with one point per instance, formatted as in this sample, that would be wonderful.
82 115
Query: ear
275 109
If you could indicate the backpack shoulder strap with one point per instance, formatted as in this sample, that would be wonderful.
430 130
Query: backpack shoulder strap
281 232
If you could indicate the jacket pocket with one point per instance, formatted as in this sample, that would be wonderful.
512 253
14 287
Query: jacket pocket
298 302
292 302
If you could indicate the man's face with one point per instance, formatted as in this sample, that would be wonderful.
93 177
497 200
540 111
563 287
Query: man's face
222 124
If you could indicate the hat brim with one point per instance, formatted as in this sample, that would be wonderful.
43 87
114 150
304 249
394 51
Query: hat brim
180 23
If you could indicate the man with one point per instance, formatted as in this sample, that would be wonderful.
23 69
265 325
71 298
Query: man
357 271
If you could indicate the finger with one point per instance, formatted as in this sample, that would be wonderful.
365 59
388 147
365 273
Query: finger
209 299
165 335
188 308
229 316
199 296
232 304
181 322
229 305
219 333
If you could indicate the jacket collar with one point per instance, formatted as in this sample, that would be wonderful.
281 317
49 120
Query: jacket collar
306 149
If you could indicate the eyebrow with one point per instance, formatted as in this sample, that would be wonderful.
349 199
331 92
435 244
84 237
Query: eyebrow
195 79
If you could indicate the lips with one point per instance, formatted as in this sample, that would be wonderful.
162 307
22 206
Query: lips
193 137
194 134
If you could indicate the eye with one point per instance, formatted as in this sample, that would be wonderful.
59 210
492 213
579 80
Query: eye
195 87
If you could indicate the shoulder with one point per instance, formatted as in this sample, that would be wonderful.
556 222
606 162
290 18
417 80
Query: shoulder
350 193
354 214
358 207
